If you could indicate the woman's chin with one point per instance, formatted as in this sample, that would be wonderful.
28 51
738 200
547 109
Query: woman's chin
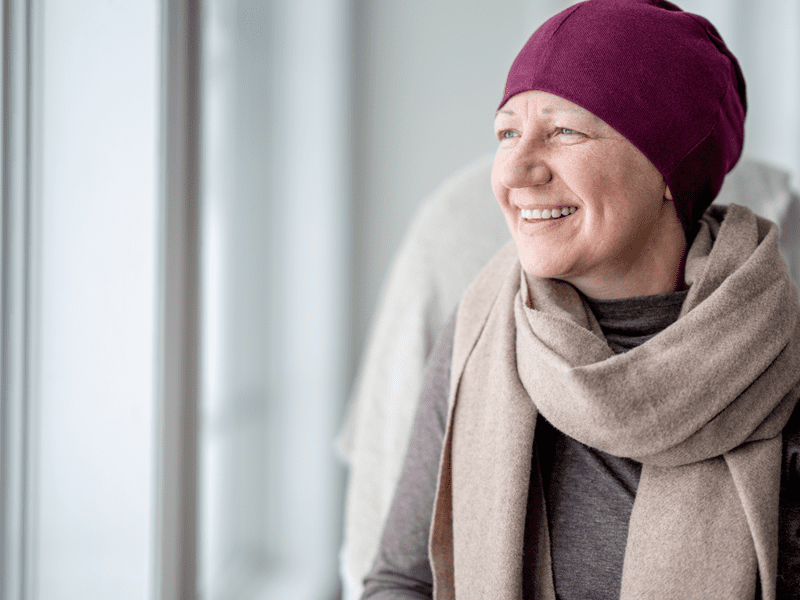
543 269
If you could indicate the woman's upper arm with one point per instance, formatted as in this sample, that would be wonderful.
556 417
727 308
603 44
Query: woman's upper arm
402 569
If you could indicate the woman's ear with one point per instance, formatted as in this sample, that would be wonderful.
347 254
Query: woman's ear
668 194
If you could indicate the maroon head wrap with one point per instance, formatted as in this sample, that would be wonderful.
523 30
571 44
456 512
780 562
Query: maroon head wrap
661 77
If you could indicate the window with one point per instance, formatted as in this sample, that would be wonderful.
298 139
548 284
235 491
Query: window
170 383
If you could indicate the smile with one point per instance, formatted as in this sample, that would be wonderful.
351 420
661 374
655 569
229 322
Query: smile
554 213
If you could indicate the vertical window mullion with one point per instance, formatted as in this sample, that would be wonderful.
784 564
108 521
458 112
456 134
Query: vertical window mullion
15 350
176 552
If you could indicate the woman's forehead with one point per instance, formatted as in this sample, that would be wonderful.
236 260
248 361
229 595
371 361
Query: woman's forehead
543 103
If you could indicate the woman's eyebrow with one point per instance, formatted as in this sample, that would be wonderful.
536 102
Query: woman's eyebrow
550 109
573 110
505 111
546 109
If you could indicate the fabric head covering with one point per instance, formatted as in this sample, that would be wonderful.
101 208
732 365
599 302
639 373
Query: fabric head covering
661 77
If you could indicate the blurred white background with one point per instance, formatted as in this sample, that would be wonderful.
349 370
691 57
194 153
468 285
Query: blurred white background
200 201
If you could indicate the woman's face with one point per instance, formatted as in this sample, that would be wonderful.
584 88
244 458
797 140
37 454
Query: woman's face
611 231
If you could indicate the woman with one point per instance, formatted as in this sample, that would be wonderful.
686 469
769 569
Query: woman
610 412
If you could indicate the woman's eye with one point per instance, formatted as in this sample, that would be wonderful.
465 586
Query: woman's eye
507 134
566 131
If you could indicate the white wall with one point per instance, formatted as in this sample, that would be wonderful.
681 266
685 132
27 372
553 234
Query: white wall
427 79
765 37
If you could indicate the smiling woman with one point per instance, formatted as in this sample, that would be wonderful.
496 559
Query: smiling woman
622 238
611 411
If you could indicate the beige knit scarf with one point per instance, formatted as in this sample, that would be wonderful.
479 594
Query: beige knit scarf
701 405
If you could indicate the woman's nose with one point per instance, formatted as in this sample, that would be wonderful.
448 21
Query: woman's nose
526 168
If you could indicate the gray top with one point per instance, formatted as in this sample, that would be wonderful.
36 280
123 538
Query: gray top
589 493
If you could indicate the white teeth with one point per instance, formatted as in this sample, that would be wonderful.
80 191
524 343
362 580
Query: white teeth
554 213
